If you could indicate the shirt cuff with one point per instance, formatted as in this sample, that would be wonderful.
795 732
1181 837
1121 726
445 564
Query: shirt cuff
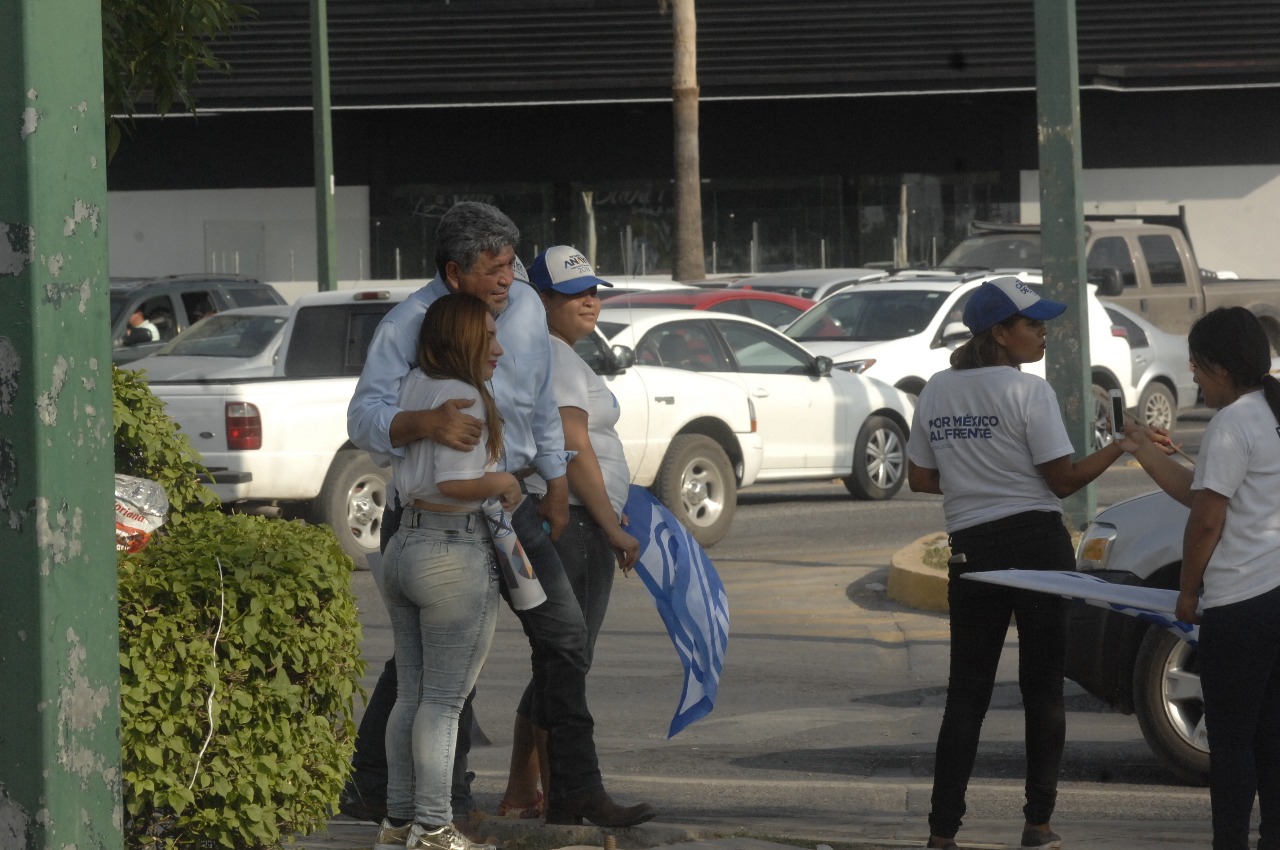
554 465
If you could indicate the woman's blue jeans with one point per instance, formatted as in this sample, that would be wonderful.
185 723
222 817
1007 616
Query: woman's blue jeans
980 613
440 585
1240 676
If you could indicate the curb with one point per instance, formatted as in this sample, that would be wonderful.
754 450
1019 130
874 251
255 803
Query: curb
914 584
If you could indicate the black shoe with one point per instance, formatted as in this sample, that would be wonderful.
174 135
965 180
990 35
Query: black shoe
353 804
597 807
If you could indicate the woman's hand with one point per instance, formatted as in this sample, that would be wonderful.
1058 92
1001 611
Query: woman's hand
1137 436
510 496
1186 608
626 547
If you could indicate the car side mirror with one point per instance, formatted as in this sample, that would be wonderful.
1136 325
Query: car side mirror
822 366
621 358
954 332
1109 280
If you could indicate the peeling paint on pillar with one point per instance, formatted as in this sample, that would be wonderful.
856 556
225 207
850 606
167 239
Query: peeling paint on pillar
80 709
61 541
15 823
81 212
10 367
47 403
17 248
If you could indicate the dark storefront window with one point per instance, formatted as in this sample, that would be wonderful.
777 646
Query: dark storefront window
749 225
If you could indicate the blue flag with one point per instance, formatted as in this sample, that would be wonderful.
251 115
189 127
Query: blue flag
690 599
1152 604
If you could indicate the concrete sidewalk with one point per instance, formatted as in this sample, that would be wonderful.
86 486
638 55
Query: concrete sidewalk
862 832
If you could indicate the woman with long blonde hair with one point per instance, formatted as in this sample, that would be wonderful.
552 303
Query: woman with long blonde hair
440 575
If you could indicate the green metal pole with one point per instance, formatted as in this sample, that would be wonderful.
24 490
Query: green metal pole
60 783
322 135
1062 231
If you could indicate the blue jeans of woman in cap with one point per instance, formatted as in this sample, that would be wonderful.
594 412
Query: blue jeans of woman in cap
980 613
440 586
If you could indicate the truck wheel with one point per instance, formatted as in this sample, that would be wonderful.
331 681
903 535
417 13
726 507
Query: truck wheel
352 502
1157 407
696 482
1169 704
879 460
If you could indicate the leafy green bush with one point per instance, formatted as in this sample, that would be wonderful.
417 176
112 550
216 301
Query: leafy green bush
148 444
239 658
276 639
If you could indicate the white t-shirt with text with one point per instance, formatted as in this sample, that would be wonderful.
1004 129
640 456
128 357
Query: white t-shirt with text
985 430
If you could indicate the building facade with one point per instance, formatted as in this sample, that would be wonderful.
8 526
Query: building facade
824 123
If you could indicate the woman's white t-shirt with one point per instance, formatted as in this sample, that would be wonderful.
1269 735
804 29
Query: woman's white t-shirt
1240 459
985 431
575 385
426 462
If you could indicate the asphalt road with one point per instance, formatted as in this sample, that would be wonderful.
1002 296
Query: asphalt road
831 695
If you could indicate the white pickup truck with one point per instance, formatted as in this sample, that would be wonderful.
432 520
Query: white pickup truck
279 444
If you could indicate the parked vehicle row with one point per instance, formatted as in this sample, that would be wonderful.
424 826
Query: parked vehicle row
903 328
1145 265
775 309
278 442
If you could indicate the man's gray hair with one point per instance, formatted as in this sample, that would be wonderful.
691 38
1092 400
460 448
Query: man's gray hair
470 229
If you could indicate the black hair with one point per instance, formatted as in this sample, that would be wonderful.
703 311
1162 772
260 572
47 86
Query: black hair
981 349
1233 339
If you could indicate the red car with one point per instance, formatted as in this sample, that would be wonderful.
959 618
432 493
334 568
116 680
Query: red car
772 308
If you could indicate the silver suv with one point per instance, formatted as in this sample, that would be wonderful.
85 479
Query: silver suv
174 303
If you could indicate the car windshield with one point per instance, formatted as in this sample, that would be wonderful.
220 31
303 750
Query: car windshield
867 314
995 251
225 335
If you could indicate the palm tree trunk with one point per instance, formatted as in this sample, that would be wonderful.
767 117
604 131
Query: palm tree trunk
689 261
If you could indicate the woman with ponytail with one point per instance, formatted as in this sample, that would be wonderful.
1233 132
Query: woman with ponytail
1230 581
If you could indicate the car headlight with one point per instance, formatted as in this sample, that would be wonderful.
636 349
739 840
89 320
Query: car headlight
1094 548
857 367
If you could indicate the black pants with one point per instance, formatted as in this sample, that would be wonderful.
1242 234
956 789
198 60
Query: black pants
1240 676
980 615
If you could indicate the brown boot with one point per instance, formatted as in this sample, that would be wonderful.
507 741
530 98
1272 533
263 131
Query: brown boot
596 806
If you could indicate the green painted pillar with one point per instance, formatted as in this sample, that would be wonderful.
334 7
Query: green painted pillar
60 783
1062 231
322 138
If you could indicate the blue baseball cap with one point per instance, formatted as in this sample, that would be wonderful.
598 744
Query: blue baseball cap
998 299
563 269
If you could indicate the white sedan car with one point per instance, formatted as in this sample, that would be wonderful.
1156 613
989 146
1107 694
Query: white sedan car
815 423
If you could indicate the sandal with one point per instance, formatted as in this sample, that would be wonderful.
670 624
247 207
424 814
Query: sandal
536 809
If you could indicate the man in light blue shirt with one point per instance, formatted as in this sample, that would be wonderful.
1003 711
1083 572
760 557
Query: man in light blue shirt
475 254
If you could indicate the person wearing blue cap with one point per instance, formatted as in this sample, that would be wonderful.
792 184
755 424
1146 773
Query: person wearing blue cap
594 542
990 440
